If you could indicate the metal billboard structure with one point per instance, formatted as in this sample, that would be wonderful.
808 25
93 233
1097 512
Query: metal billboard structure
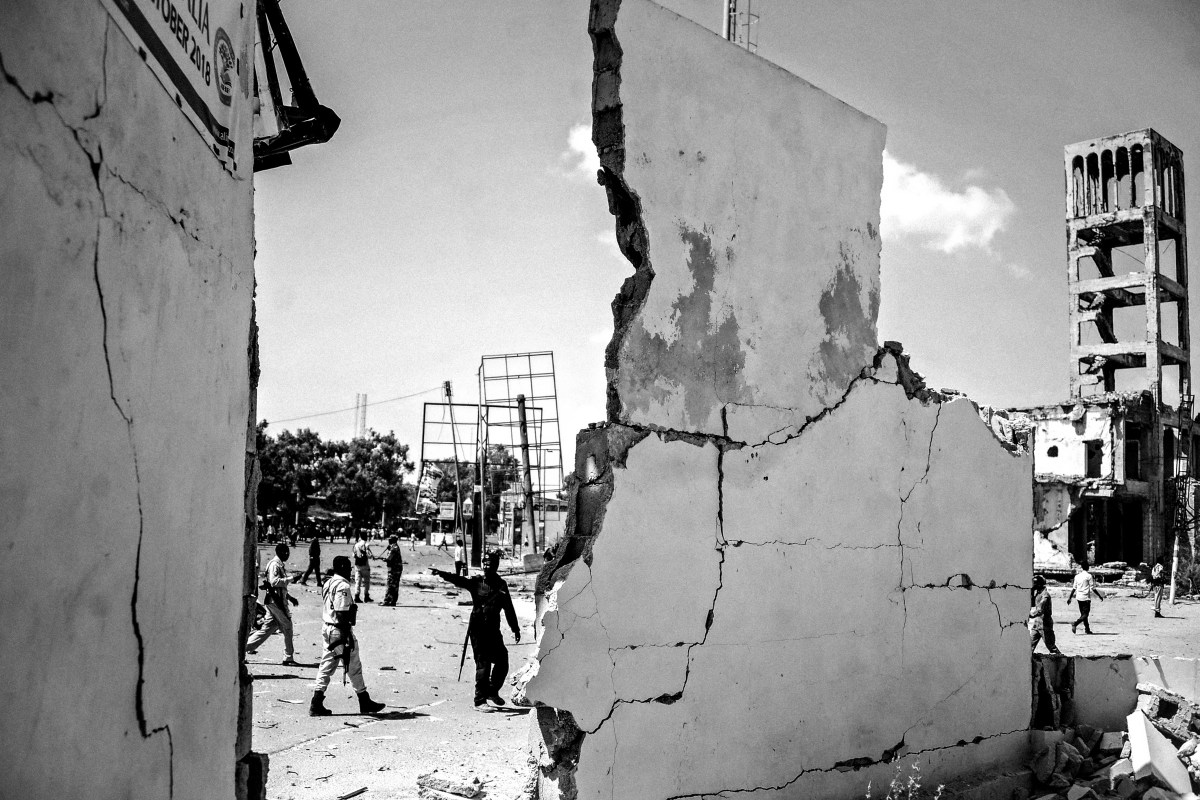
459 437
512 379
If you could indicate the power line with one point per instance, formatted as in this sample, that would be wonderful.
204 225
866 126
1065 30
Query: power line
352 408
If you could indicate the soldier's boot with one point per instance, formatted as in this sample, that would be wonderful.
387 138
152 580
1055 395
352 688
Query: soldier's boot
317 707
368 706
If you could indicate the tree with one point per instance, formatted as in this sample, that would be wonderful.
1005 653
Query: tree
291 470
369 480
363 477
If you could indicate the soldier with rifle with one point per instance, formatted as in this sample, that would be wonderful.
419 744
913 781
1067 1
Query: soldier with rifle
339 614
276 600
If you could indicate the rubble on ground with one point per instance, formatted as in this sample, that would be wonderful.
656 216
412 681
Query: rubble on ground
1155 758
438 785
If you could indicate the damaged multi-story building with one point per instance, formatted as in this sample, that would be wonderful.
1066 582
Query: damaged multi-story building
1113 467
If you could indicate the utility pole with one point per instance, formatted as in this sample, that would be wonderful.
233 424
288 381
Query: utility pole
476 542
527 481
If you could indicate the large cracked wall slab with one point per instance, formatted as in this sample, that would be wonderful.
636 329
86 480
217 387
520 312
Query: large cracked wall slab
754 230
126 317
790 568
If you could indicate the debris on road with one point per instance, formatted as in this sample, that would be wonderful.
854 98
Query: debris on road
438 785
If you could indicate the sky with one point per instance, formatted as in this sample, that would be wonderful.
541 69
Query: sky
455 213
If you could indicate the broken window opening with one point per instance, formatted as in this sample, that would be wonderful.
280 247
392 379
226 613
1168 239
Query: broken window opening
1094 456
1133 454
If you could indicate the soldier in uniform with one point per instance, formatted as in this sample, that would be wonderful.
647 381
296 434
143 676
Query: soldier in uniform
338 614
395 566
489 599
276 602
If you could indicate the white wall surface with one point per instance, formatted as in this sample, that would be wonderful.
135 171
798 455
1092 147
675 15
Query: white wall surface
762 210
126 258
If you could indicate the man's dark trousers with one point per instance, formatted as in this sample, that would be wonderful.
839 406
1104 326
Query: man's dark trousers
491 663
1085 608
314 568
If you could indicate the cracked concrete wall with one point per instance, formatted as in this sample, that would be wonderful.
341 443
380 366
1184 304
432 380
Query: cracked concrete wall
127 264
783 602
757 243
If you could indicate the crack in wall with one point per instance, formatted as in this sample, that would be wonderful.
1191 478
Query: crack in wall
95 163
608 135
850 765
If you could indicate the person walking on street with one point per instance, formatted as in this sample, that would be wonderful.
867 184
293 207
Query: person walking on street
395 566
338 615
1158 582
1082 590
460 558
489 599
314 563
362 569
442 542
276 602
1041 617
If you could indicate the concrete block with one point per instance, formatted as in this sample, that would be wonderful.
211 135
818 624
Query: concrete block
1154 755
1171 712
1111 743
457 785
1079 791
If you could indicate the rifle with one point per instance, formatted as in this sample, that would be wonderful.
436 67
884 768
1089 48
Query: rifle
463 658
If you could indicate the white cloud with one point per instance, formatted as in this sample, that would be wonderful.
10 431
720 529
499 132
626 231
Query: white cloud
918 205
580 155
1019 271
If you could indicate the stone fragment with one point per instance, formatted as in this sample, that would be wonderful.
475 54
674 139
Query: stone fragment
1111 743
1039 740
1086 739
1188 748
425 793
1154 755
449 783
1122 768
1057 766
1079 791
1158 793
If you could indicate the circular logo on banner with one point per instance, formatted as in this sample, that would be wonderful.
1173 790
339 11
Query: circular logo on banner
226 65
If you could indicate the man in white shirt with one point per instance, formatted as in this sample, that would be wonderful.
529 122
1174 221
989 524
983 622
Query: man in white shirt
1158 583
1082 590
338 613
362 569
276 602
460 558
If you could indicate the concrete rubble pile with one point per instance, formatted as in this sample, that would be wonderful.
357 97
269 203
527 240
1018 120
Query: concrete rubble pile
1155 758
446 786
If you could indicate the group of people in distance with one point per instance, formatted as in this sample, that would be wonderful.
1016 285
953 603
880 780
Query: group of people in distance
1041 614
490 601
